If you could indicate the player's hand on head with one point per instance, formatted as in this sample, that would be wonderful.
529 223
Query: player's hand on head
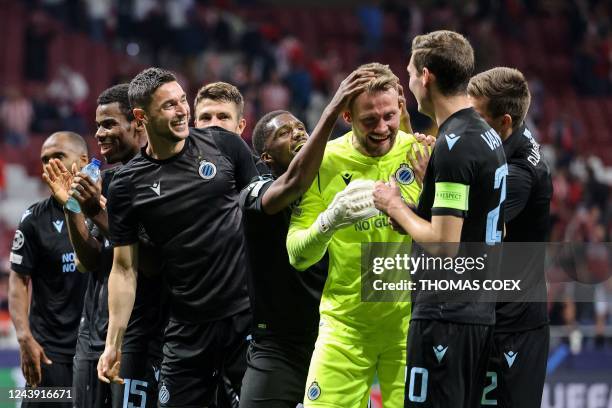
405 125
87 193
58 178
109 366
387 196
354 203
32 356
352 85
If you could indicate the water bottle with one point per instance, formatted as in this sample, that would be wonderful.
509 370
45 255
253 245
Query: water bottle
93 171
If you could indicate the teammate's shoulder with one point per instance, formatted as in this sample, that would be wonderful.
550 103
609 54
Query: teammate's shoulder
214 133
35 210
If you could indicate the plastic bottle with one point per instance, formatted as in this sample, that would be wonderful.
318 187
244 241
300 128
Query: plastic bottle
93 171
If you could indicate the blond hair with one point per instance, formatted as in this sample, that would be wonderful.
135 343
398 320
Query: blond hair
384 79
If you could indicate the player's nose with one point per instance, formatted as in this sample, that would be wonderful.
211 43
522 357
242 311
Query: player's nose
381 127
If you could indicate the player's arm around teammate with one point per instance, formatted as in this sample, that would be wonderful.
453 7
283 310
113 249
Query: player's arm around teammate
301 171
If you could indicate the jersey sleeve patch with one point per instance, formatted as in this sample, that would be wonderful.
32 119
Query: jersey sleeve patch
452 195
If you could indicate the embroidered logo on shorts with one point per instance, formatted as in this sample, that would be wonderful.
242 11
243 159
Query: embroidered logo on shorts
207 170
314 391
404 175
164 394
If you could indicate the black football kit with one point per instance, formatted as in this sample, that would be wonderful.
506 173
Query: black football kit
188 207
42 250
449 341
285 305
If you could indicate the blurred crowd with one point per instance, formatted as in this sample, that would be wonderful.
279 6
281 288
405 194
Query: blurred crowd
275 67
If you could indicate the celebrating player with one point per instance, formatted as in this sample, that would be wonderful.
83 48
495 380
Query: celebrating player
285 302
462 201
120 137
183 190
220 104
356 339
42 253
517 367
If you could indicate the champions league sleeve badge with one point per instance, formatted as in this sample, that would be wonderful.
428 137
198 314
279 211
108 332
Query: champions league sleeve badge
18 241
207 170
404 175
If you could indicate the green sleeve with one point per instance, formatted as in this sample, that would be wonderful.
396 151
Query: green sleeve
305 244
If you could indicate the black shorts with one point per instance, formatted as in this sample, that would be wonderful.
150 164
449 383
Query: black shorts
517 369
204 363
276 372
89 392
446 364
57 374
139 372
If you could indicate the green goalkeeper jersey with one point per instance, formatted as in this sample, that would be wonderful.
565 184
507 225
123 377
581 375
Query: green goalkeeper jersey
342 295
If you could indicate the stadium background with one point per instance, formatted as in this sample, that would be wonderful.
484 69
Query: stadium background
57 55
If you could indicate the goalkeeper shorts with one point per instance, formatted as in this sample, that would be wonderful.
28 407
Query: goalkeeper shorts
344 362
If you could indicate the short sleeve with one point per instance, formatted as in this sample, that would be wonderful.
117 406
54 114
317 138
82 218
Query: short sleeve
241 156
453 175
251 196
25 250
123 223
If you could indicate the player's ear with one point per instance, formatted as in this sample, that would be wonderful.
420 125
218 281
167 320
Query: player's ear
427 76
138 127
241 125
83 160
266 158
507 121
346 115
140 115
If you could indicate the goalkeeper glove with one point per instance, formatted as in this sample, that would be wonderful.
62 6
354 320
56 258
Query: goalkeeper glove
354 203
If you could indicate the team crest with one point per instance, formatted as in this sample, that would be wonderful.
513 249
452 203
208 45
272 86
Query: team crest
164 394
314 391
18 240
404 175
207 170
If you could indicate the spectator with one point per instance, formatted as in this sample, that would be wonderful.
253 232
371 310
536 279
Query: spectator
69 90
274 95
16 115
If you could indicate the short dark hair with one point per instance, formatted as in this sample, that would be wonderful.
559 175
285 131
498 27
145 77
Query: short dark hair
448 55
118 94
145 84
73 138
506 90
261 133
221 92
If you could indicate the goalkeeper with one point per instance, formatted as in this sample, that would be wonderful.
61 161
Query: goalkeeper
356 339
